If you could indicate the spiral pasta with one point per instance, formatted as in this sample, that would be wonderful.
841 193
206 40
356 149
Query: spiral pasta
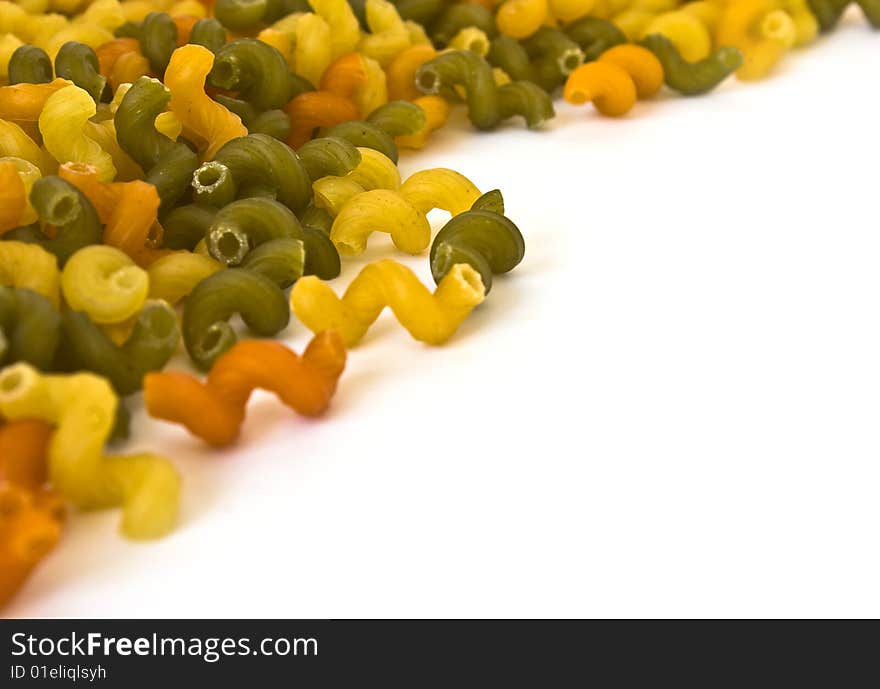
82 408
215 410
31 267
105 283
430 318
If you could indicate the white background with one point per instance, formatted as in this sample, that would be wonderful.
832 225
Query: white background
669 409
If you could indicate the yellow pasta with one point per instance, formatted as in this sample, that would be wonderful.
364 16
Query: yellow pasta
193 8
82 407
345 30
437 111
569 10
8 44
521 18
105 283
63 123
32 267
375 91
388 35
92 36
471 38
332 193
375 171
417 33
805 24
312 52
105 14
380 210
686 32
15 143
761 30
431 318
174 276
442 188
707 11
203 119
104 134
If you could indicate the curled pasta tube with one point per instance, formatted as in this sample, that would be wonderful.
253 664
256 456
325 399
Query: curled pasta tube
215 410
174 276
23 448
345 30
685 30
13 197
30 526
569 10
762 32
31 267
15 143
606 85
440 188
693 78
313 109
388 34
345 75
380 210
25 102
63 122
105 283
30 328
641 64
431 318
205 119
402 70
28 173
82 408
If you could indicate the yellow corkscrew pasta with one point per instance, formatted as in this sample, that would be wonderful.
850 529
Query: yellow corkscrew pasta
388 35
761 31
174 276
32 267
380 210
105 283
431 318
686 32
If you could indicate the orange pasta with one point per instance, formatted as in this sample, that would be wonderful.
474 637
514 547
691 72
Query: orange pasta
608 86
402 71
641 64
30 526
314 109
24 102
184 24
128 210
204 120
345 75
128 69
23 447
436 113
108 53
13 197
214 410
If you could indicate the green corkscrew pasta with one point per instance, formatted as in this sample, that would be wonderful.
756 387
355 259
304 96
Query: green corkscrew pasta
30 65
692 79
30 327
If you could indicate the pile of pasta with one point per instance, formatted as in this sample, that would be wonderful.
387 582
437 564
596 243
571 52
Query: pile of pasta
167 165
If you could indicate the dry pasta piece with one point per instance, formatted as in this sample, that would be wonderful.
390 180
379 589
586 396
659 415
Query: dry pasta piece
641 64
203 119
25 102
762 32
442 188
437 111
380 210
388 35
345 76
110 52
314 109
215 410
689 35
23 447
184 24
401 72
15 143
82 408
345 30
606 85
374 92
431 318
13 197
32 267
521 18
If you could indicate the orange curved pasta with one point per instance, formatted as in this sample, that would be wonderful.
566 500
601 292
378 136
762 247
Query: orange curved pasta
13 198
128 69
314 109
24 102
128 210
108 53
437 111
203 119
214 410
23 448
606 85
641 64
345 75
30 526
402 71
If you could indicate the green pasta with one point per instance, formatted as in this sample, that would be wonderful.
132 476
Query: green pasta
260 302
186 226
322 257
398 118
240 15
329 155
61 205
209 33
255 70
316 218
829 12
365 135
595 36
128 30
158 39
423 12
280 260
509 54
488 104
78 63
169 164
30 328
554 56
263 166
275 123
460 16
247 223
693 78
30 65
148 348
213 185
481 237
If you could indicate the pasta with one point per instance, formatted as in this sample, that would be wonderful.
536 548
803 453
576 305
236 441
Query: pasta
695 78
82 408
641 64
388 35
30 327
401 72
29 64
761 32
689 35
595 36
105 283
215 410
315 109
13 196
521 18
436 111
605 84
31 267
380 210
78 63
174 276
430 318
